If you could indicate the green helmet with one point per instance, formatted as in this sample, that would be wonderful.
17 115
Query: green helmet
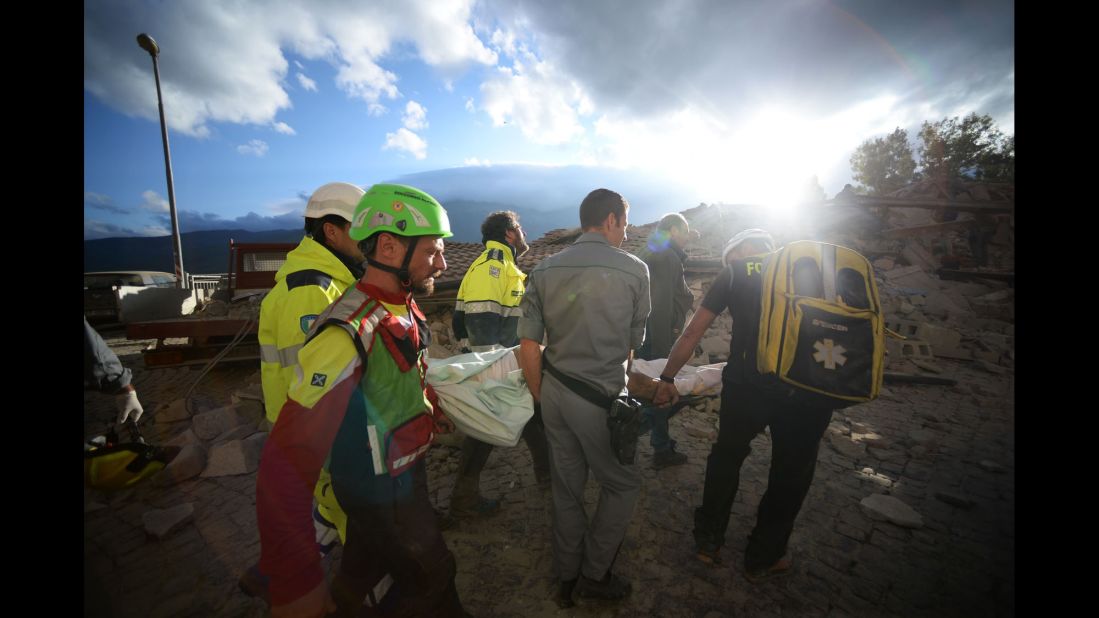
400 210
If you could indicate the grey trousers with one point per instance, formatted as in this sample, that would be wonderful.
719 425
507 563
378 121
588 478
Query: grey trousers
579 439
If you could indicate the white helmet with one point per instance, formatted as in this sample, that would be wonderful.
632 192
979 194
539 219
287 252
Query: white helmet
334 198
748 234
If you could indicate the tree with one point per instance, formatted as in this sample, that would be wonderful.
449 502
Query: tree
884 164
999 165
972 147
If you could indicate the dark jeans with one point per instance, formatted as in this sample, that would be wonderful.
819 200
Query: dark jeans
656 420
795 437
391 527
475 453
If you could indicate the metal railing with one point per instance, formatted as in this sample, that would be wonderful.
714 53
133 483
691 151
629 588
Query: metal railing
203 286
206 282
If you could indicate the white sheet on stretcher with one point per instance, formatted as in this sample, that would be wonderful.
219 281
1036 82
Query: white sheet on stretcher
485 395
703 380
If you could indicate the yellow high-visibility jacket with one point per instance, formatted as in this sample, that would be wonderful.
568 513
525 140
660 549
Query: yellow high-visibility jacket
310 280
487 311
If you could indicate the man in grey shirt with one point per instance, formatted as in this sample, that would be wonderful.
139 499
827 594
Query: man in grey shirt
590 301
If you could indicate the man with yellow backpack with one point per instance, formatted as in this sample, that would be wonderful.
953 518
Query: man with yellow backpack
806 339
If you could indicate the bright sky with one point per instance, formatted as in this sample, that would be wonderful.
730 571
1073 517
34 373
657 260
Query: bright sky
268 99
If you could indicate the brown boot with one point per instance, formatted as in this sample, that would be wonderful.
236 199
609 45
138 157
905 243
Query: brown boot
781 567
467 502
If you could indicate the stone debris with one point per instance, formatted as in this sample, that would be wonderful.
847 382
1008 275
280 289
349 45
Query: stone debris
888 508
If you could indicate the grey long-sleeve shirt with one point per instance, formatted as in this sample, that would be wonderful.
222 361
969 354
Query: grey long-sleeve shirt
590 301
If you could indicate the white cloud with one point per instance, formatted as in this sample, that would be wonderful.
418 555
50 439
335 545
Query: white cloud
444 36
91 198
255 147
366 80
652 58
504 42
153 202
415 116
475 162
293 205
227 62
407 141
102 202
191 221
751 160
94 229
284 128
543 103
557 64
364 34
658 94
307 83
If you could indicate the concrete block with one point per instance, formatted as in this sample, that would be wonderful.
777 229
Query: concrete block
235 457
189 463
212 424
888 508
908 348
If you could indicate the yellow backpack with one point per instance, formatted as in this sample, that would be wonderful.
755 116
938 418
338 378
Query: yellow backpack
821 328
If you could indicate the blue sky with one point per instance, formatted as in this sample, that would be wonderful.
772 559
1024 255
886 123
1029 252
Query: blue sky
743 101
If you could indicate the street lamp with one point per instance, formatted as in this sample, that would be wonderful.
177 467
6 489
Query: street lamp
148 44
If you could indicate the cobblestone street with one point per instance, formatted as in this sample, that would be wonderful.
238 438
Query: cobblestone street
945 451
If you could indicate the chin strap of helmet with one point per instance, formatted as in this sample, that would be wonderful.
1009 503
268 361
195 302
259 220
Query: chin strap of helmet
403 276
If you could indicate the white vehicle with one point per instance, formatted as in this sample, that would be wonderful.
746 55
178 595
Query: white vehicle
127 296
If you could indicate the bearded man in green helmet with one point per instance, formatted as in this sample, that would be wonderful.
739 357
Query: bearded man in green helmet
361 399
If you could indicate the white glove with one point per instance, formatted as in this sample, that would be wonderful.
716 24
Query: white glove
128 406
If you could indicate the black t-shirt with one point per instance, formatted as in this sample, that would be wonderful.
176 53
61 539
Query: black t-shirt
718 297
737 288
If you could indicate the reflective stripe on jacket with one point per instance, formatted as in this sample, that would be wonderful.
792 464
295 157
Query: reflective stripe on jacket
487 310
363 399
310 280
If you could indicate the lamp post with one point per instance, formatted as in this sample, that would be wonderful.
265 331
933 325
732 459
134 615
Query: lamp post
148 44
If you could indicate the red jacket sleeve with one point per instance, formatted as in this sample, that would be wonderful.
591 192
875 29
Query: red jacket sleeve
289 467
